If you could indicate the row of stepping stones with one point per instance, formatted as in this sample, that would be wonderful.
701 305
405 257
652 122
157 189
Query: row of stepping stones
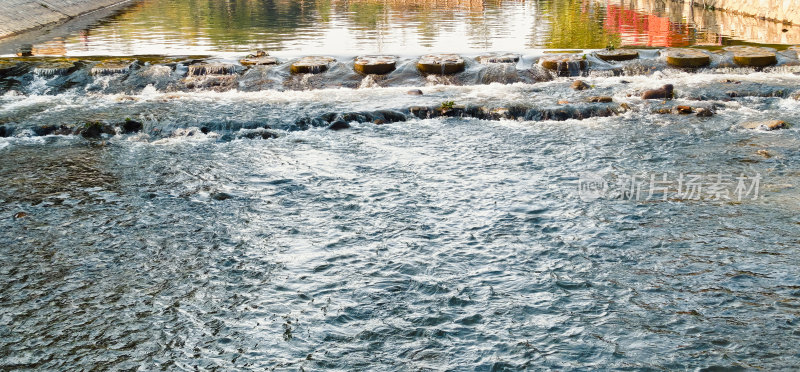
439 64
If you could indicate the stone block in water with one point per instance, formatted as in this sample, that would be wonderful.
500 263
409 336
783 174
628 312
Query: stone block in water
54 68
260 58
440 64
498 58
609 55
312 65
687 58
200 69
564 64
375 64
112 66
751 56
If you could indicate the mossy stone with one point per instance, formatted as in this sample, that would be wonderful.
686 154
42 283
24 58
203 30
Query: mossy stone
312 65
112 66
686 58
752 56
610 55
259 58
441 64
375 64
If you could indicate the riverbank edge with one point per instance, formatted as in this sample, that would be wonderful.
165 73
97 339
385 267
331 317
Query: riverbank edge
21 16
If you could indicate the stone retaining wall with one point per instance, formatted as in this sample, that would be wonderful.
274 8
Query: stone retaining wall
17 16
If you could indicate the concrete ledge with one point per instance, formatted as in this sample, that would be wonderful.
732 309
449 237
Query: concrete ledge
17 16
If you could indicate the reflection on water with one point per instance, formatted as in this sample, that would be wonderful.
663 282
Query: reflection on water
404 26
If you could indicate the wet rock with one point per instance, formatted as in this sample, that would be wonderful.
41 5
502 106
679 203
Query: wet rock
378 122
441 64
609 55
205 130
704 113
203 69
112 66
453 111
564 64
391 116
339 125
58 130
131 126
94 130
259 58
220 196
573 112
764 153
312 65
414 92
25 50
355 116
580 85
600 99
55 68
563 102
500 113
420 112
684 57
19 215
498 58
259 133
766 125
664 92
683 110
751 56
3 131
375 64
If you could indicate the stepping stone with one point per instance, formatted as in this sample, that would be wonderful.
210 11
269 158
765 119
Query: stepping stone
498 58
375 64
683 57
200 69
54 68
260 58
564 64
440 64
312 65
609 55
752 56
112 66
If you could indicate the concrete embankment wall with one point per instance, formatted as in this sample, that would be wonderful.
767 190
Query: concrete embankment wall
776 10
17 16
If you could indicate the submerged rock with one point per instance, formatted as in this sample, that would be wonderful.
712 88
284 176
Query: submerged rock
609 55
704 112
131 126
441 64
665 92
312 65
600 99
414 92
375 64
3 131
339 125
751 56
683 110
580 85
94 130
766 125
684 57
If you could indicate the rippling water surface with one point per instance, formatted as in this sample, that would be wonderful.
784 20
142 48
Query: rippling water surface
235 231
407 26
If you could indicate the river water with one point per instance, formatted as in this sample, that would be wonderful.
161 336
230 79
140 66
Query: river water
574 236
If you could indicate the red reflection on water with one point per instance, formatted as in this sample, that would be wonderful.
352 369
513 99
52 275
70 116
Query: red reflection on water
637 28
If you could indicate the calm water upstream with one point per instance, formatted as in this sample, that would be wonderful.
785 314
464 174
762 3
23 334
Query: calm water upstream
236 232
